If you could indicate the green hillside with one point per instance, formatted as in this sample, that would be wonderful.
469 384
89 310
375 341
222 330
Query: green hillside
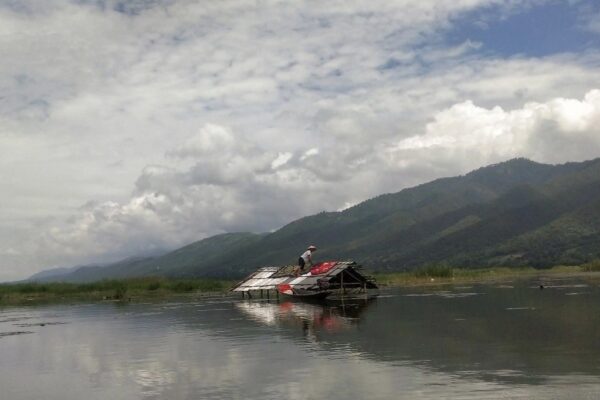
517 213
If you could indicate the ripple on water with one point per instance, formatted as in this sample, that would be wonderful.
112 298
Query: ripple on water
458 295
5 334
446 295
39 324
386 296
14 319
560 287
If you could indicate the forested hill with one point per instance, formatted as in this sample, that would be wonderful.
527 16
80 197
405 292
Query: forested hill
514 213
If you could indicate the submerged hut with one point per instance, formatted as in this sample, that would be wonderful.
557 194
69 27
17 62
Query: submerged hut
322 280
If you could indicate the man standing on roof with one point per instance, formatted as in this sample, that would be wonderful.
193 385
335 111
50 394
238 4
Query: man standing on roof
305 258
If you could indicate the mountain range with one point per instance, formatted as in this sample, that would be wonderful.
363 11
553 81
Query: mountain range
516 213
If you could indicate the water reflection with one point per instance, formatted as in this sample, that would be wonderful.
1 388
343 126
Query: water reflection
509 334
308 317
484 341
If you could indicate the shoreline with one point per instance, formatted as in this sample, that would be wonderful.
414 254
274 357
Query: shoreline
164 289
487 275
116 291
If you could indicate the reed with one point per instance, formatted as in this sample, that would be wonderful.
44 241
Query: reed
442 274
120 290
592 266
435 271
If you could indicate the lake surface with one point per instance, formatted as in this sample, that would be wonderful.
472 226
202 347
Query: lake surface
502 340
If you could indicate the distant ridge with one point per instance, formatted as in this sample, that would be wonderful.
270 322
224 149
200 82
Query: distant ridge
514 213
49 273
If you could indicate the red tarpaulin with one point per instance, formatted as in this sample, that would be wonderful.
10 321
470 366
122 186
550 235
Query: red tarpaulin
322 268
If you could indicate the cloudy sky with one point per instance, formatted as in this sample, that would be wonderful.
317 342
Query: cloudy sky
131 127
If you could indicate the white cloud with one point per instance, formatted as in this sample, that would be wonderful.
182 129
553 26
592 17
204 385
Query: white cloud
173 120
235 185
309 153
210 140
557 131
282 159
231 185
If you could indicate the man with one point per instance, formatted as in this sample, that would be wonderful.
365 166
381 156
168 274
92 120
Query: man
305 258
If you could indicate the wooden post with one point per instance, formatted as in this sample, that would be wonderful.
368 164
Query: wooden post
342 283
261 293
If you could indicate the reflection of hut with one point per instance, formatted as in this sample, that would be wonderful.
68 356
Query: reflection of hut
323 279
309 317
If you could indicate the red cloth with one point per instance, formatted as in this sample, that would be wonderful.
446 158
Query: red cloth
285 288
322 268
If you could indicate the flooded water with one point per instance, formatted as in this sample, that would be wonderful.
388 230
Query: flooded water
510 340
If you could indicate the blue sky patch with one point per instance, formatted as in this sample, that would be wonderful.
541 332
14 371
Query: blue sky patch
539 31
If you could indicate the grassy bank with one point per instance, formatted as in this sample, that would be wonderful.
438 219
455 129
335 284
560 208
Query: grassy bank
161 288
113 290
440 274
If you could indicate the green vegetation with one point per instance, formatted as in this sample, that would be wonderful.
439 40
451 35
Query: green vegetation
593 266
161 288
443 274
435 271
117 290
